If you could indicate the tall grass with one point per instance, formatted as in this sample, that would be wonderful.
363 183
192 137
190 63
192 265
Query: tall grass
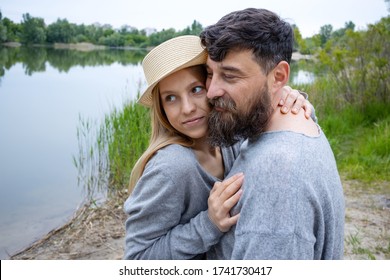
127 133
359 134
108 150
91 161
361 141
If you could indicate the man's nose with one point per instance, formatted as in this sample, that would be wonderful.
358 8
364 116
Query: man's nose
214 89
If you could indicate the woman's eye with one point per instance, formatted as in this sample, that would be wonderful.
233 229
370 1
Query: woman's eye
170 98
197 89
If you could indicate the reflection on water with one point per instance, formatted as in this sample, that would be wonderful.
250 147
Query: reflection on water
42 94
303 77
36 59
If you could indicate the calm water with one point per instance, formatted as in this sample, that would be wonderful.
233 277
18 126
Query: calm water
42 94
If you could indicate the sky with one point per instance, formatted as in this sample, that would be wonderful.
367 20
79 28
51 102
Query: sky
308 15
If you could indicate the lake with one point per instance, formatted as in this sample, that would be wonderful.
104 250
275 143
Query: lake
43 94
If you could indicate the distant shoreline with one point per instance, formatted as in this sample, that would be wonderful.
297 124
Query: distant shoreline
79 46
91 47
74 46
12 44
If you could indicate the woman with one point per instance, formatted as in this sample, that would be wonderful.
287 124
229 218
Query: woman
172 212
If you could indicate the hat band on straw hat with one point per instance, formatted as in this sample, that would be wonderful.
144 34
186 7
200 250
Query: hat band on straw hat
169 57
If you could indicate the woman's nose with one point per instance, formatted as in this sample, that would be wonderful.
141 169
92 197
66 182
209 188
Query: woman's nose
188 105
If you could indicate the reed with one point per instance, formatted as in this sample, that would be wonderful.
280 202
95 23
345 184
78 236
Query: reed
108 150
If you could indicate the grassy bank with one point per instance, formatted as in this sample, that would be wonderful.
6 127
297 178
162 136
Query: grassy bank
359 133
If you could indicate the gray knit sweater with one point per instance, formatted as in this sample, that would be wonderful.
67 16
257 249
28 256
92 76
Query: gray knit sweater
168 208
292 205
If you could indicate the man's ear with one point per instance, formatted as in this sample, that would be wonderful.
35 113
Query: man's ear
280 75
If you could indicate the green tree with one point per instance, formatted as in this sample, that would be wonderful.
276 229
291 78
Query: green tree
325 33
61 32
162 36
113 40
341 32
298 40
138 40
93 33
359 63
13 30
33 30
3 30
194 29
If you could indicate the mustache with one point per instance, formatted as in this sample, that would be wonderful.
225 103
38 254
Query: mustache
224 103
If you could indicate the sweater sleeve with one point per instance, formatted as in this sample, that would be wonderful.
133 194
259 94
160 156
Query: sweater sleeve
155 229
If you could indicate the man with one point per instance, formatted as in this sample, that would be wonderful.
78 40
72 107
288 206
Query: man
292 206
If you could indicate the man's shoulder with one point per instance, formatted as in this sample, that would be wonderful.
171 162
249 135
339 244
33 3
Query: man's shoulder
279 150
275 142
293 122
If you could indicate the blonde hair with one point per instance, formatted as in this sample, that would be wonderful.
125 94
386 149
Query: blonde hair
163 134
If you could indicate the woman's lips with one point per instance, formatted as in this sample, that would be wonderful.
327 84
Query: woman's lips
193 121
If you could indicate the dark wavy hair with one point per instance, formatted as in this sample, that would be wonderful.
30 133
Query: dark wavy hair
269 37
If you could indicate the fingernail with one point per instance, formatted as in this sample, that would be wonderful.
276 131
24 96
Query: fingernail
284 109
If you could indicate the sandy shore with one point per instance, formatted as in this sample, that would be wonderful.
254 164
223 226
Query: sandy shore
98 233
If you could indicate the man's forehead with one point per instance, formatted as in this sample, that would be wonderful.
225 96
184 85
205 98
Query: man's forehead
227 63
233 61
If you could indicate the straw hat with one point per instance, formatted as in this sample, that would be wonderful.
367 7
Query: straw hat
169 57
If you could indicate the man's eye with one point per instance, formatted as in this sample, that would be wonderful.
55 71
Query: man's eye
228 77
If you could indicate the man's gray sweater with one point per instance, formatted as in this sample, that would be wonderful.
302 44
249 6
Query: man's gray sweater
292 206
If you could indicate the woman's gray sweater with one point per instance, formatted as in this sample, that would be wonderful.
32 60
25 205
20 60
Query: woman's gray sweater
167 211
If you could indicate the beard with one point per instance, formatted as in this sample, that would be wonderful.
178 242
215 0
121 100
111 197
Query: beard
232 125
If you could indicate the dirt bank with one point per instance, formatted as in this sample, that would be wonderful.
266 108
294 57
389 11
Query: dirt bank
97 233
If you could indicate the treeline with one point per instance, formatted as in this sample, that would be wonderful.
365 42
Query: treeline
34 31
